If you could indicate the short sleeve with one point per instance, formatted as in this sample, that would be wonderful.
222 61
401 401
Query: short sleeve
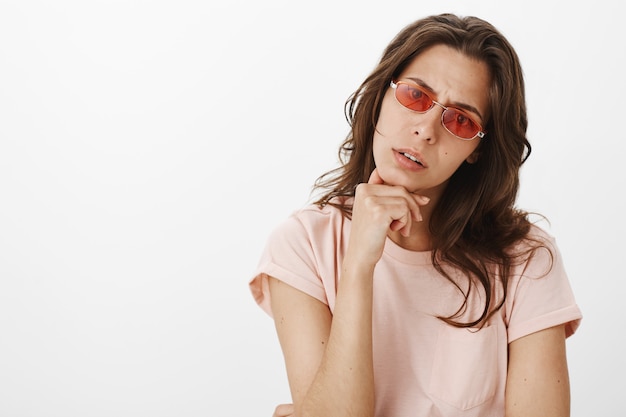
540 295
288 256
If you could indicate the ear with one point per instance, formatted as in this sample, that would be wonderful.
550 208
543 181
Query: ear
472 158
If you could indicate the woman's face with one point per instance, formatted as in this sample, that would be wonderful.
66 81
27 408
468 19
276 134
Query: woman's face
403 136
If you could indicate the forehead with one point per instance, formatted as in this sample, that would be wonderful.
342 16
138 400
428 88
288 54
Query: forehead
453 77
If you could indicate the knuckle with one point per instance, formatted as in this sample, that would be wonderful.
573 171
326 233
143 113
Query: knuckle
361 189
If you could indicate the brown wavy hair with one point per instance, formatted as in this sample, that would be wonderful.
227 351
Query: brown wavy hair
475 226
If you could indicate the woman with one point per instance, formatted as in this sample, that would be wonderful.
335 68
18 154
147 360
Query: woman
414 287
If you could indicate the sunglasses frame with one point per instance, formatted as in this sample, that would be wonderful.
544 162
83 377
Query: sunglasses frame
394 86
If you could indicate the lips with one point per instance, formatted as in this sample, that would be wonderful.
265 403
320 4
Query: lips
413 156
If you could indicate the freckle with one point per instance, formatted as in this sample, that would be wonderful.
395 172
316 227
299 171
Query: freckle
322 342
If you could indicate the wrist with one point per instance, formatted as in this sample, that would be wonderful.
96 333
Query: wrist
358 268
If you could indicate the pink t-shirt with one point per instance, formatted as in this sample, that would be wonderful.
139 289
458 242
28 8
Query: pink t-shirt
423 367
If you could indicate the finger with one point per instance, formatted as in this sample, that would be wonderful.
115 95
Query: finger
404 221
375 178
283 410
421 200
401 226
418 202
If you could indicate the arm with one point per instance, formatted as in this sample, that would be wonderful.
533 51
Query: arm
328 361
538 380
329 357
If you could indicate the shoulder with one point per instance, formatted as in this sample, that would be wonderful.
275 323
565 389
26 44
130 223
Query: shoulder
538 252
311 225
536 236
314 216
539 294
536 244
539 234
315 219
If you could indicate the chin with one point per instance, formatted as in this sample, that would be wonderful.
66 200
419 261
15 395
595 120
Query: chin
410 184
400 180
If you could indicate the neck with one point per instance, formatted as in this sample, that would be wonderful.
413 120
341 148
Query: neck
417 241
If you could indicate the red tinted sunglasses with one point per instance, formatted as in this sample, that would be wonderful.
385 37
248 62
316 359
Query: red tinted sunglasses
456 121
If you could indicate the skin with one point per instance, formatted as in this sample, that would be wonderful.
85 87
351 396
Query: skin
454 79
329 357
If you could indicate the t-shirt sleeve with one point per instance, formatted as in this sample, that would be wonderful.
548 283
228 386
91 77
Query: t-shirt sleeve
540 296
288 256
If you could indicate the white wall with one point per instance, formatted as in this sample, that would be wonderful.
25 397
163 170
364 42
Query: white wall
147 148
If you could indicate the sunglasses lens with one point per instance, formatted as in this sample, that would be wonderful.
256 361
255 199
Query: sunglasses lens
413 98
459 124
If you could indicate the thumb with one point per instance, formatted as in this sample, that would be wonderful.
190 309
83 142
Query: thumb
375 178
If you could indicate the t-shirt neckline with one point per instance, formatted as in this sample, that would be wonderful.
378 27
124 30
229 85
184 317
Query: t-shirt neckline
407 256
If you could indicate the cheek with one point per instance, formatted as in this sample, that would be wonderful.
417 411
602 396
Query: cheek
377 144
389 119
454 157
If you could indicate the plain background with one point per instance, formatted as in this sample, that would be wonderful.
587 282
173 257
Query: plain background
147 148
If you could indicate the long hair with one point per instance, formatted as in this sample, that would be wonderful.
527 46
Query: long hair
475 225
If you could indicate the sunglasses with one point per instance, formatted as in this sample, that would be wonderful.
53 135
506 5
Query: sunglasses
456 121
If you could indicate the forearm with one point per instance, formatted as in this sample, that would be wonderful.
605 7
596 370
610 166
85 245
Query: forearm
344 383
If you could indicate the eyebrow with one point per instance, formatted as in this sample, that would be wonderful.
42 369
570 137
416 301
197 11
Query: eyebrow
462 105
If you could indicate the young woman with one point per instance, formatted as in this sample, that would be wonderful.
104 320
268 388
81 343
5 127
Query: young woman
413 286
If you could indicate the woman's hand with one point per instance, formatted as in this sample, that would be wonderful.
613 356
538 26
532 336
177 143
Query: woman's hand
380 208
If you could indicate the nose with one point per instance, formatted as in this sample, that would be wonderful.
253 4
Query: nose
427 126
